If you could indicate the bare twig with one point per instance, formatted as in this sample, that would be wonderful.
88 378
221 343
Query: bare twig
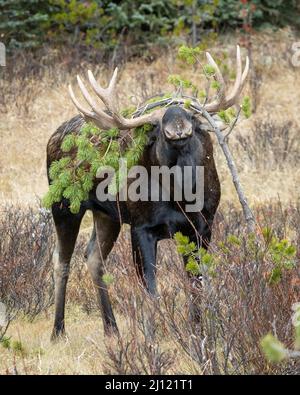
233 124
249 217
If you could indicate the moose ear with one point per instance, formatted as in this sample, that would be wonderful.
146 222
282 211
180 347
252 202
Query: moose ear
206 126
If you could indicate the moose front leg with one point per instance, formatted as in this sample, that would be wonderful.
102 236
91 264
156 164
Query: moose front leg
67 228
144 246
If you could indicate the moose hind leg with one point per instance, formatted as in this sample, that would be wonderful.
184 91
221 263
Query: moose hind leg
67 228
107 232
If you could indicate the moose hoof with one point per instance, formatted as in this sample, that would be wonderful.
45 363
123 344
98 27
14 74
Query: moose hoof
111 330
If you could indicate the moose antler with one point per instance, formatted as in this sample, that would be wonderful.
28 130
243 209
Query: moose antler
223 102
111 118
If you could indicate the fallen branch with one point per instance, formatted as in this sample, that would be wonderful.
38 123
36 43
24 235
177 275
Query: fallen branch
249 217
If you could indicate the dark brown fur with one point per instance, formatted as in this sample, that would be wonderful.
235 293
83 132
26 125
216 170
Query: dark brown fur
150 221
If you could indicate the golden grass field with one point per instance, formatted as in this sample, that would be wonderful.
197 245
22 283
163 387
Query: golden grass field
34 113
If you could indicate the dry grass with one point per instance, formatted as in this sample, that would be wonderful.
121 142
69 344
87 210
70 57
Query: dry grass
84 351
40 356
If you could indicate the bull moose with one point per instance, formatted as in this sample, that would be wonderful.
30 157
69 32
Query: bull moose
179 137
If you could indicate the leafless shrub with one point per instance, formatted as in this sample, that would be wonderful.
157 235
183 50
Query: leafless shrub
255 82
281 218
238 305
146 87
157 336
141 349
80 289
270 146
26 245
18 80
6 320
